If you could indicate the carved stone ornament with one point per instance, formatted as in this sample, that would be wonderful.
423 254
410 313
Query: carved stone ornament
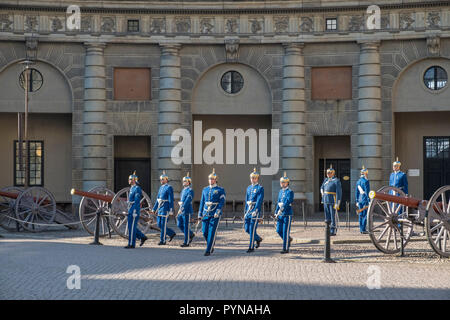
56 24
108 25
256 25
31 45
434 20
5 22
31 23
182 24
356 23
206 25
86 23
281 24
406 21
158 25
306 24
232 49
434 45
231 25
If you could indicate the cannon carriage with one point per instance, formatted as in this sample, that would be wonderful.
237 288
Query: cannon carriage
112 210
33 209
392 215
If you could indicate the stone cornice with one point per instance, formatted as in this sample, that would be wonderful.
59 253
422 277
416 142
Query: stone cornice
241 7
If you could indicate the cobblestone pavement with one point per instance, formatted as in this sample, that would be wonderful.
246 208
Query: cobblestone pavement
33 266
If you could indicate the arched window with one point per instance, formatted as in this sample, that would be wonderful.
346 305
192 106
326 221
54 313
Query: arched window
35 80
435 78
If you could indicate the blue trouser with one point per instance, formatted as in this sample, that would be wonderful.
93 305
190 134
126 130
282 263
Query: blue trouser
209 228
330 216
162 224
251 224
284 229
133 230
183 224
362 220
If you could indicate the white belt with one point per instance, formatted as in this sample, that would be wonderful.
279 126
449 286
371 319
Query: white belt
209 204
361 190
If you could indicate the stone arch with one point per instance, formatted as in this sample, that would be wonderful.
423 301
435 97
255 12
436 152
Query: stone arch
55 96
207 88
409 92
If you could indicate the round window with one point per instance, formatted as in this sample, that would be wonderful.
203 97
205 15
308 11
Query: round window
232 82
35 80
435 78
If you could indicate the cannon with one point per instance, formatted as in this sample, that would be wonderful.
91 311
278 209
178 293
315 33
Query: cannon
34 209
113 209
392 215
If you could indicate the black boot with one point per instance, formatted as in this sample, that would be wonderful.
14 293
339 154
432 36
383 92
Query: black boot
184 245
191 238
142 241
170 239
250 250
258 243
129 247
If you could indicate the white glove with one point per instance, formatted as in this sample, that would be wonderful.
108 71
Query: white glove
216 215
171 212
254 214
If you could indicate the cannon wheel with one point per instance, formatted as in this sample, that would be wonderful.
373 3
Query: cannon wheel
7 209
88 209
119 213
35 207
383 218
437 221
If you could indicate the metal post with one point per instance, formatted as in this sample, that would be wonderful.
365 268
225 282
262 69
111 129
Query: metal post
304 218
347 207
25 135
97 228
327 258
402 247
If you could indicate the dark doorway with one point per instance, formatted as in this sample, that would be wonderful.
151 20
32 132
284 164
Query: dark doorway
123 167
436 164
342 168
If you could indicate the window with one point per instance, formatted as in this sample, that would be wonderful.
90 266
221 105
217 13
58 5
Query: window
133 25
437 148
435 78
331 24
35 163
132 84
232 82
35 80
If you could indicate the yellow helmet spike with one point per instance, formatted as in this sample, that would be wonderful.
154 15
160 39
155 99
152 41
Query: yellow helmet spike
254 174
284 178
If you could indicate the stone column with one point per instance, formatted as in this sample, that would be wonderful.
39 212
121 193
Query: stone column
369 112
169 110
94 118
293 129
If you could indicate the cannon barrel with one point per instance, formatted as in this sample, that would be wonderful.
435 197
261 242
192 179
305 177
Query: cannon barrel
92 195
409 202
10 195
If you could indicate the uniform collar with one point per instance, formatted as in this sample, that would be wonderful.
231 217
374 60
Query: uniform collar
213 185
284 189
254 184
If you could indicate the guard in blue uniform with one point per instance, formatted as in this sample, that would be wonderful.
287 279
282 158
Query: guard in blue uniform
398 178
210 211
253 202
362 199
283 212
134 211
185 211
163 207
331 191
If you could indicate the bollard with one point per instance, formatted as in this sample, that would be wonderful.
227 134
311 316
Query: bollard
305 223
327 258
402 247
97 229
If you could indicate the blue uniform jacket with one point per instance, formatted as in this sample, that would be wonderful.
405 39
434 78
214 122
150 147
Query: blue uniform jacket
214 194
255 193
187 194
165 193
399 180
333 186
284 203
362 198
134 199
